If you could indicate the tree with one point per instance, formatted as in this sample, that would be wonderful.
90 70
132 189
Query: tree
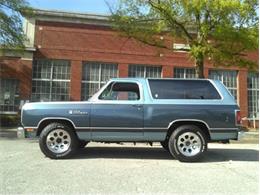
11 28
222 31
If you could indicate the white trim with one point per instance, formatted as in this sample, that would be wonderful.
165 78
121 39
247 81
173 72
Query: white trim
29 31
58 118
57 80
95 82
228 128
187 120
30 127
140 128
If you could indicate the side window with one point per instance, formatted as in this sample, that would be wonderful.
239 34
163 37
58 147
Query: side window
183 89
121 91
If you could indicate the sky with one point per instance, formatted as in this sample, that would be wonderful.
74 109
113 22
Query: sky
88 6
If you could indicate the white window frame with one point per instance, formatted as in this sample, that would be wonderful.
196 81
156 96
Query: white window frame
184 72
51 79
255 108
99 82
14 99
220 73
145 67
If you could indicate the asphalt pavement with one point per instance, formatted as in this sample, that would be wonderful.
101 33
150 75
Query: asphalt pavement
112 168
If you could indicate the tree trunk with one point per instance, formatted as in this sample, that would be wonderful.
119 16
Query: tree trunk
199 66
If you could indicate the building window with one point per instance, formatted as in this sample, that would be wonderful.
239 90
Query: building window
184 73
145 71
51 80
94 76
9 96
253 94
227 77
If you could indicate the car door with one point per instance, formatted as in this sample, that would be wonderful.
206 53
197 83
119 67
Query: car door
117 113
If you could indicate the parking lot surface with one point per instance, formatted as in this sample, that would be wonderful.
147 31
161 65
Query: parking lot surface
113 168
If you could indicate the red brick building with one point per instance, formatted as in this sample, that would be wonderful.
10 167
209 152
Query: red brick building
70 55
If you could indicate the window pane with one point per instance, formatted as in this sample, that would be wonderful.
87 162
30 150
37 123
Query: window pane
60 91
144 71
253 95
88 90
153 72
94 76
94 73
227 77
61 70
108 71
9 95
136 71
41 90
182 89
50 80
42 69
184 73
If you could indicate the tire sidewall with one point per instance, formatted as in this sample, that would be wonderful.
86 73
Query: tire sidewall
174 140
43 136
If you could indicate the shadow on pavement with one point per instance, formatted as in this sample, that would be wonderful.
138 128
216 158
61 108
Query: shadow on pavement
8 134
213 155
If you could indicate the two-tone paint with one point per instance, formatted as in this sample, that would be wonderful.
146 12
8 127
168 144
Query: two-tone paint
146 119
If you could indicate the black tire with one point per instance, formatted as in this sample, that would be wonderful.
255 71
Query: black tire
192 143
82 144
52 128
165 145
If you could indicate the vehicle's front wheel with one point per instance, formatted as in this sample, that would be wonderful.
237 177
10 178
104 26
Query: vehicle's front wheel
188 143
58 141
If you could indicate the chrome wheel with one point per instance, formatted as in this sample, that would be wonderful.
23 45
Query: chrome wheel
58 141
189 144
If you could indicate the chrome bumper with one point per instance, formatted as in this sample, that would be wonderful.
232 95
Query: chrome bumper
20 132
240 135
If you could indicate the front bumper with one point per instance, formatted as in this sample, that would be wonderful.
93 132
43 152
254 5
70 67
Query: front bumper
20 132
26 132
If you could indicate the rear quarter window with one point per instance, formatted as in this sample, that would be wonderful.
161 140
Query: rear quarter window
183 89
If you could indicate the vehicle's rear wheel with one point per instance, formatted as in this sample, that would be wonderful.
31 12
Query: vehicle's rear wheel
58 141
188 143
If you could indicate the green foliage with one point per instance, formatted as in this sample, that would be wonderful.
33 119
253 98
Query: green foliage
219 30
11 28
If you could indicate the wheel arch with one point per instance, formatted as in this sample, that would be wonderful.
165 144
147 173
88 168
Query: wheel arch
199 123
46 121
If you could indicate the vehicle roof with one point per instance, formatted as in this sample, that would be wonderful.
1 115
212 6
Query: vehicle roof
144 79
